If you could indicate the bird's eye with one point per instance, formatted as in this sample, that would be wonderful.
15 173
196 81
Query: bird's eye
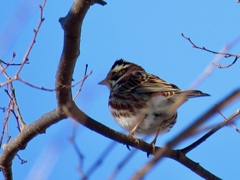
114 73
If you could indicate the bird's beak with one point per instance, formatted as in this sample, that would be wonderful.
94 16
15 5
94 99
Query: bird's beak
103 82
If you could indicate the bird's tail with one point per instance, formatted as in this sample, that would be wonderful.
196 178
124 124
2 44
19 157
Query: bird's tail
195 93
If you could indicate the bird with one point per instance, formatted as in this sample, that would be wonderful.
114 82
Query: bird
143 103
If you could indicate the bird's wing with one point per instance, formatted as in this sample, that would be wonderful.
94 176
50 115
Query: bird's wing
144 83
154 84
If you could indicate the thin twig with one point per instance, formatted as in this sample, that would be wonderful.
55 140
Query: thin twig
17 120
3 109
72 139
4 126
34 86
211 132
235 127
82 80
122 163
208 70
223 53
14 100
5 123
13 104
102 156
25 58
19 115
227 66
219 112
22 160
230 123
9 63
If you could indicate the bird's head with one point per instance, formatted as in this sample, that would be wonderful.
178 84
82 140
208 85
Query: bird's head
119 70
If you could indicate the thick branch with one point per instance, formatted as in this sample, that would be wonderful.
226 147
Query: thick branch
27 134
71 25
180 157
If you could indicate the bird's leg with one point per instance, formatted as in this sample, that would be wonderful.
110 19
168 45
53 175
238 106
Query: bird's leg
139 121
131 133
154 141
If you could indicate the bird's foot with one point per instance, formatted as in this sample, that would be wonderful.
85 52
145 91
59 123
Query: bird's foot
153 146
131 135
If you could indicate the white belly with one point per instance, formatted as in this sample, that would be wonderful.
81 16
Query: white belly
152 117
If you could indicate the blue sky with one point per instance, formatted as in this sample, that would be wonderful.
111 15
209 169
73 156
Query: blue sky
148 34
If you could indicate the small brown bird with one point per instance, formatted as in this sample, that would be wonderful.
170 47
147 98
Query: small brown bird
140 101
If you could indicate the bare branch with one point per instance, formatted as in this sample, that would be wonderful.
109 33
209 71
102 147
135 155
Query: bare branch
211 132
28 132
236 129
80 155
14 100
22 160
3 109
34 86
8 64
219 66
25 59
101 158
224 53
122 163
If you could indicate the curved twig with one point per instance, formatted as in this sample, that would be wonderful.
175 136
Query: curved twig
224 53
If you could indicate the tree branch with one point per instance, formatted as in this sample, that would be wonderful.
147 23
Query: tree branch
28 132
211 132
224 53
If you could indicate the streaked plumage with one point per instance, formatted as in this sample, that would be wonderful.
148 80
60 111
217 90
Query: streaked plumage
139 101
